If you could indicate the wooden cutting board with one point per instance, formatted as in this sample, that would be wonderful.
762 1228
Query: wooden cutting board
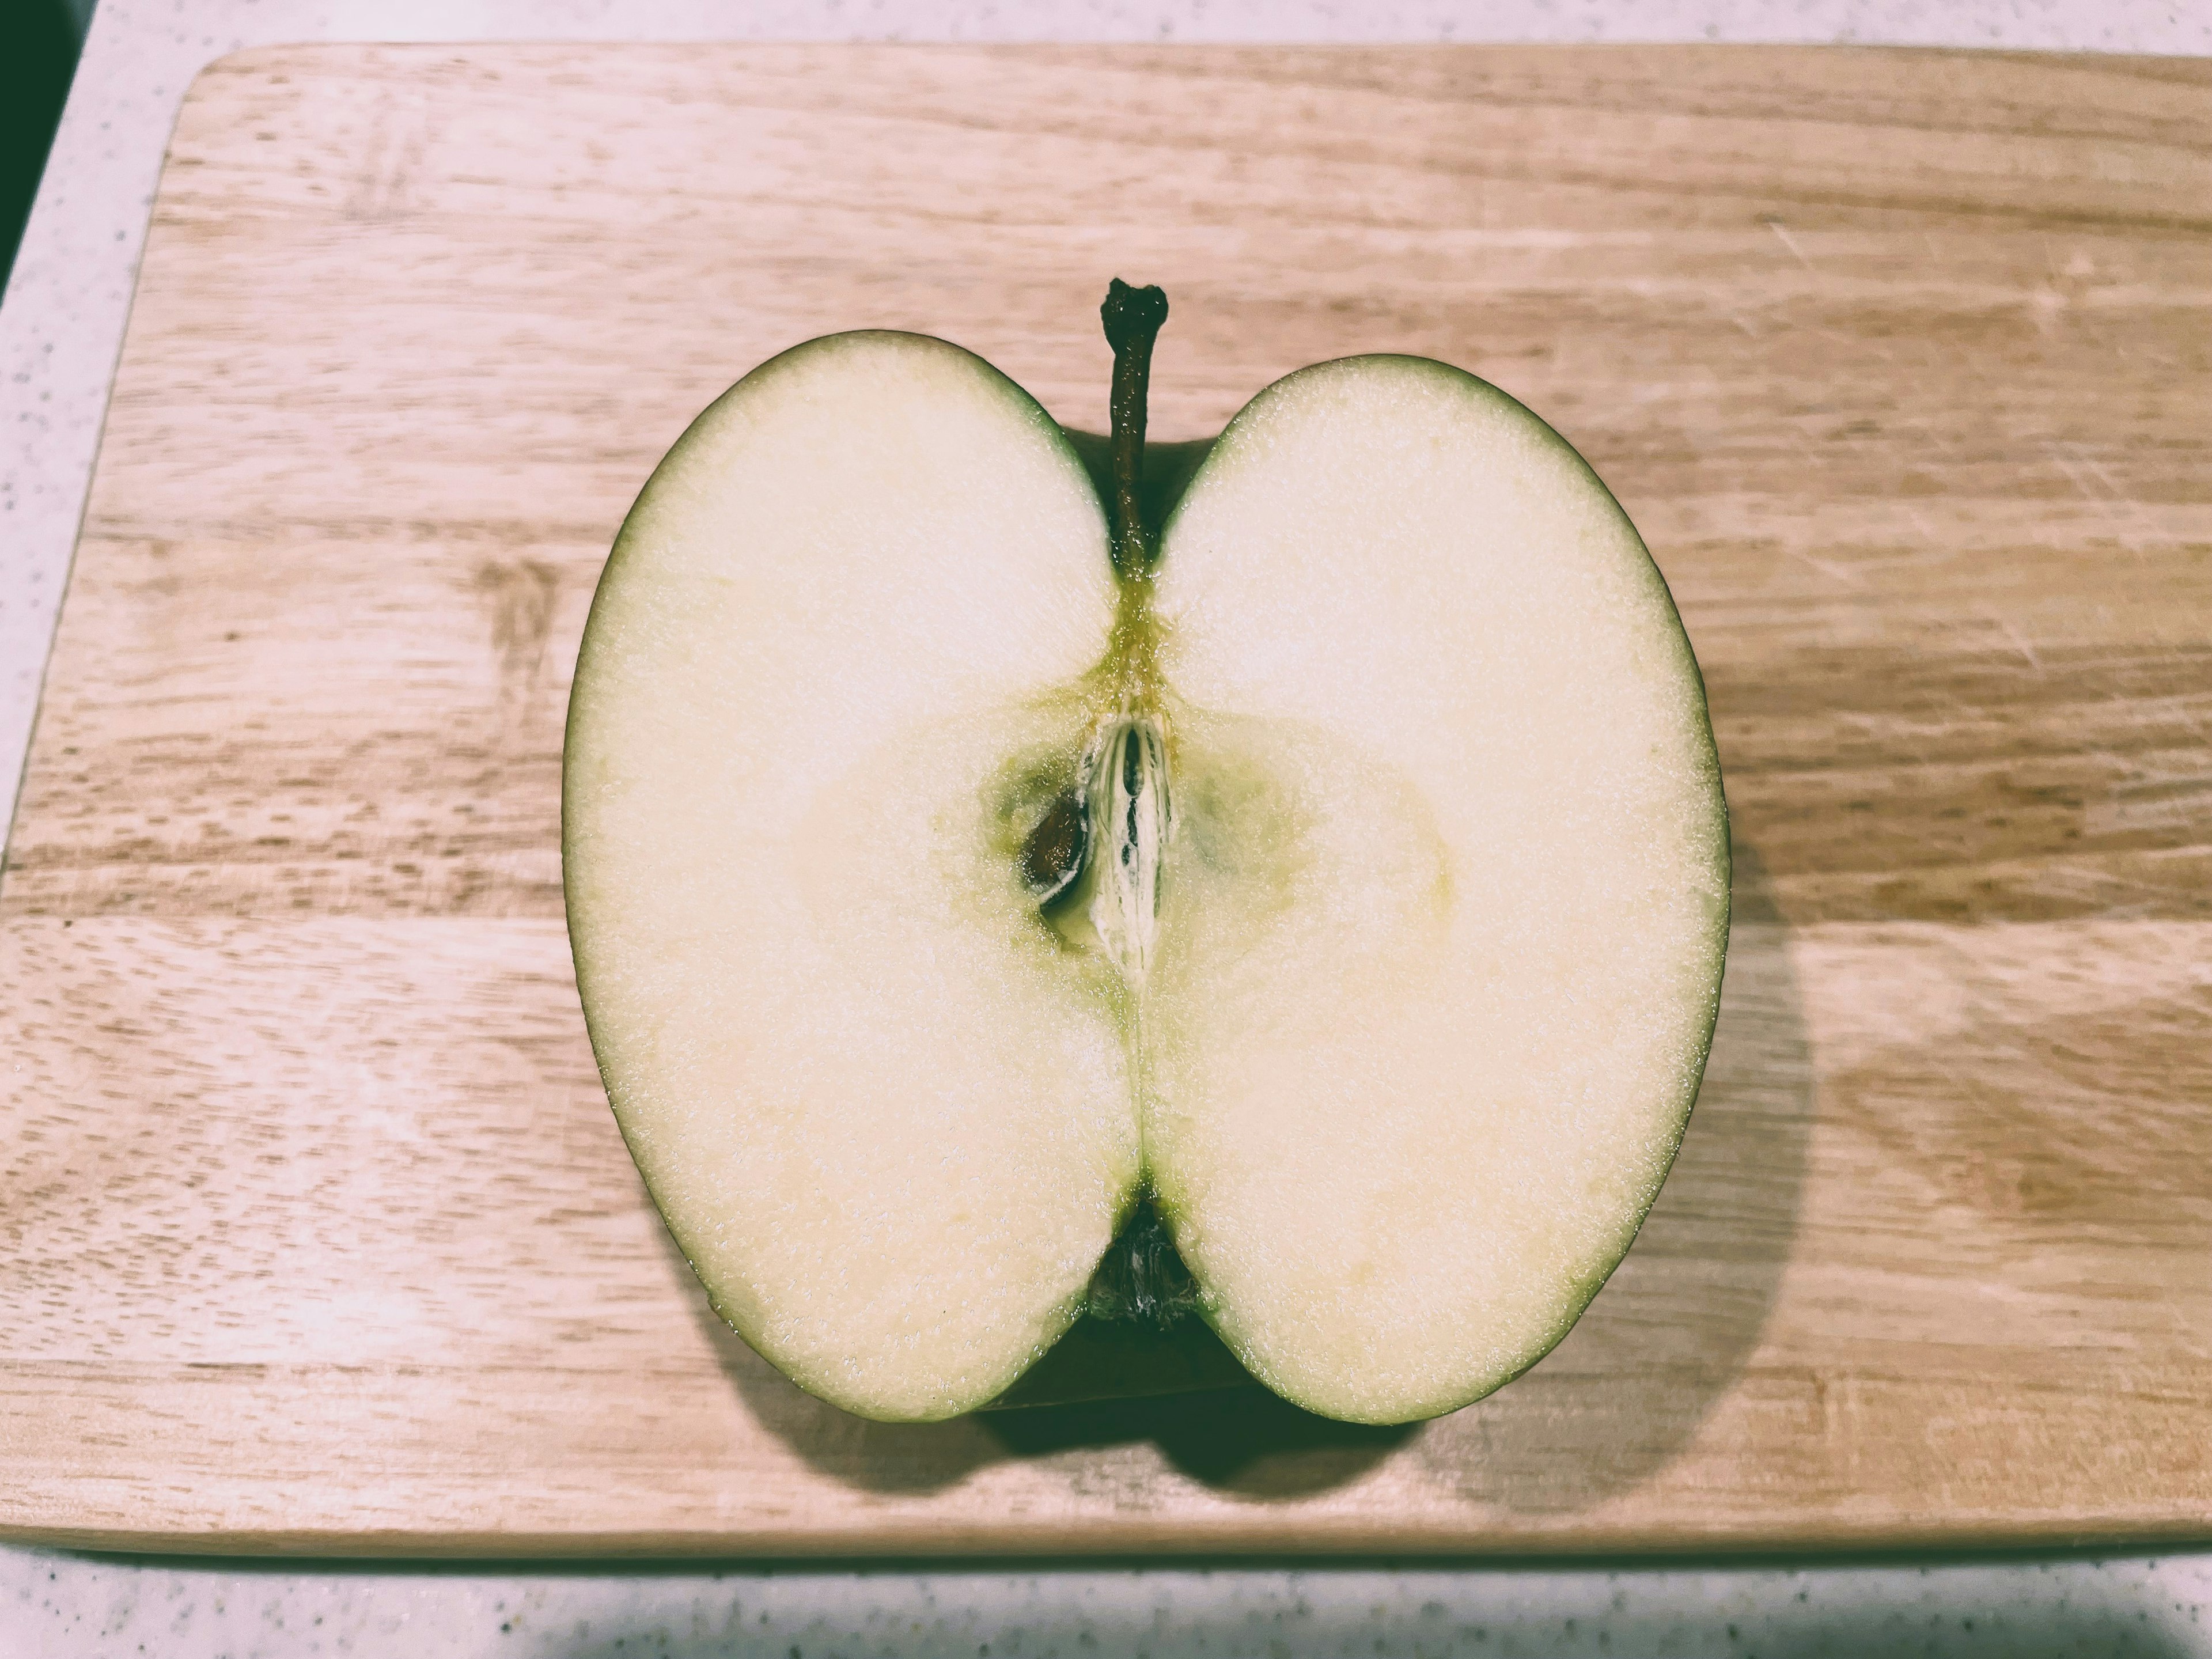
315 1233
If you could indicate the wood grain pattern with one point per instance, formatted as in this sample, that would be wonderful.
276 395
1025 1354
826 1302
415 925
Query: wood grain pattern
317 1234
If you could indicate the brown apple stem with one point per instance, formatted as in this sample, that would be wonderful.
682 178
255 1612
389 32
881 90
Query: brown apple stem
1133 317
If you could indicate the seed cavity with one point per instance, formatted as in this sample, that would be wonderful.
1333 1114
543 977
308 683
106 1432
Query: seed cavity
1130 822
1094 858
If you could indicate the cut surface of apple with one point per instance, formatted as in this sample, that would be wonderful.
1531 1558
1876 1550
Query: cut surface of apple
1444 931
954 864
889 1129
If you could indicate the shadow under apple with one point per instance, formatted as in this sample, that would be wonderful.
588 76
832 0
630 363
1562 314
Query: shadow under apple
1242 1440
1231 1434
882 1457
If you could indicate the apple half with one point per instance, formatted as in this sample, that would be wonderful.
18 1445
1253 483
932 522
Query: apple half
963 859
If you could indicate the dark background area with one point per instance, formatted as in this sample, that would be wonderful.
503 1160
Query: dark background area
39 42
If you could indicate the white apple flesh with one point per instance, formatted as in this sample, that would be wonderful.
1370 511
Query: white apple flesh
1348 877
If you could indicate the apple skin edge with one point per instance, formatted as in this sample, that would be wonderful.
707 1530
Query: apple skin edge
1095 1360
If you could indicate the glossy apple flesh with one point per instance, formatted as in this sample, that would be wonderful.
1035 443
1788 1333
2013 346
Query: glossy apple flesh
1349 881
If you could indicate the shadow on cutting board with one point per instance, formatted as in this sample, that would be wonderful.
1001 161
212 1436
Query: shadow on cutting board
1238 1438
1666 1338
1615 1401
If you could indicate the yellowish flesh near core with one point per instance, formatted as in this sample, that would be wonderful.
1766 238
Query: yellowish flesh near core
1437 978
1407 1046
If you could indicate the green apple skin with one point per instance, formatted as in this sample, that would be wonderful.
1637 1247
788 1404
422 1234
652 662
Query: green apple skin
1176 475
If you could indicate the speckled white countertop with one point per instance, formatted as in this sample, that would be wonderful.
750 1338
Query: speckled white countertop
2114 1609
61 324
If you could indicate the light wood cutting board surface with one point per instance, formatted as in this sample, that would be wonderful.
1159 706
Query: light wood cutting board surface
315 1233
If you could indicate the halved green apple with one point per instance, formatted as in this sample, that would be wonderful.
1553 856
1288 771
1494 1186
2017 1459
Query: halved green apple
955 863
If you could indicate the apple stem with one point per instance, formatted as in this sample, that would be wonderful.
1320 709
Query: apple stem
1133 317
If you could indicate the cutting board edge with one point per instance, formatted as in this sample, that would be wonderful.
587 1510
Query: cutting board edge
1092 1541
